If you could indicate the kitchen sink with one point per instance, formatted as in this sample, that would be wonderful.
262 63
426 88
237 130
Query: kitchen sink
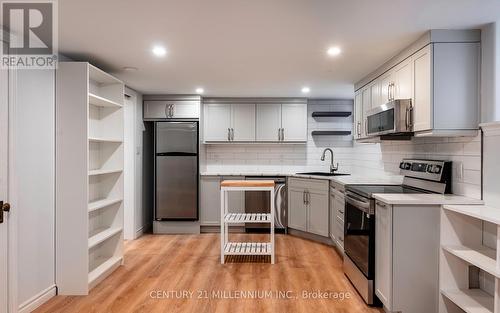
323 174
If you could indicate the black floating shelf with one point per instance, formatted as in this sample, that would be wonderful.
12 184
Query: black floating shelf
331 132
331 114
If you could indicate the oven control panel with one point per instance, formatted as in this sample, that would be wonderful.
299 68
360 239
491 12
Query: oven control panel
426 169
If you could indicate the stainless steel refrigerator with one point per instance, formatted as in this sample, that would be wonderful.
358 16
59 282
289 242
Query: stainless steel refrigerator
176 171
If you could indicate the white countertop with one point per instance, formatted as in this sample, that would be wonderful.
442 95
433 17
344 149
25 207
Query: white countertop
426 199
343 180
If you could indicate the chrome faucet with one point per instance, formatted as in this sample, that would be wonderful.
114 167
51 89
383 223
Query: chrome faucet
333 168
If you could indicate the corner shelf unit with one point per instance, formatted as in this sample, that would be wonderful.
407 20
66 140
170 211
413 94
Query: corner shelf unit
227 218
461 249
89 176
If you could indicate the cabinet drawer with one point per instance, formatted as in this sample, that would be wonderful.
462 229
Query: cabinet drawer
309 184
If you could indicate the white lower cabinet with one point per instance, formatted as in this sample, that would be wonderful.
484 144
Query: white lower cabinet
407 257
210 199
308 205
383 253
337 208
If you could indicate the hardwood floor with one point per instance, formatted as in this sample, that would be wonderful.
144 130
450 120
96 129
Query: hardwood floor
188 268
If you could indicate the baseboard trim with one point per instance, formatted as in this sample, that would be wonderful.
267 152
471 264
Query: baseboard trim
35 302
309 236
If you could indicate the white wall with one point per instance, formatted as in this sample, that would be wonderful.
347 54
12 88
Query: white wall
34 146
136 218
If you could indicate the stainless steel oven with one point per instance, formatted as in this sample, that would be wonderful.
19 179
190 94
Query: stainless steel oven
395 117
359 243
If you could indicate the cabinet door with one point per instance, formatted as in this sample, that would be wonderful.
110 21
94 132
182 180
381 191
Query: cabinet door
217 122
358 114
186 109
375 94
422 82
268 122
297 209
367 105
294 121
332 217
383 253
210 200
403 76
317 221
243 122
386 89
155 109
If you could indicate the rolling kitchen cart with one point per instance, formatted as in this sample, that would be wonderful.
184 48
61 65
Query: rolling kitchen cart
227 218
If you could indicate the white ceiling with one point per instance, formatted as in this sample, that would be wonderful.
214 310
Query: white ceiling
253 47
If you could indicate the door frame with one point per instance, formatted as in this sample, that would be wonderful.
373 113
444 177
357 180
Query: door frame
12 253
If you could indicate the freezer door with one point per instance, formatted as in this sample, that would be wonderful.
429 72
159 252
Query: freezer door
176 187
177 137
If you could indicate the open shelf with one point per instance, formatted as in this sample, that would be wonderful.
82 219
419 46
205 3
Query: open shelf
331 132
100 204
247 218
482 257
102 102
106 266
470 300
104 172
481 212
331 114
247 248
103 235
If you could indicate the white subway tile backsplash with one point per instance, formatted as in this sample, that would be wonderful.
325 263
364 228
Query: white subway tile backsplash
358 159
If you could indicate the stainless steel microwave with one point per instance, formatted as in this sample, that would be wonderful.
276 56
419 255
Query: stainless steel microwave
392 118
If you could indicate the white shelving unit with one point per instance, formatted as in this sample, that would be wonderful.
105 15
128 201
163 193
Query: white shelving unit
462 247
228 218
89 171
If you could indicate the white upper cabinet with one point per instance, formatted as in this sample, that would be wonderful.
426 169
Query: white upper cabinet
161 109
403 80
268 123
250 122
243 122
440 73
217 122
358 115
294 122
422 114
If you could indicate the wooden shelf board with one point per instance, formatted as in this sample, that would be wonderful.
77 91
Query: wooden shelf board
330 132
100 204
247 218
100 76
95 139
247 248
103 235
102 270
482 257
103 102
331 114
481 212
470 300
103 172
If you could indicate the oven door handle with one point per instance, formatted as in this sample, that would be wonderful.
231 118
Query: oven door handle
358 203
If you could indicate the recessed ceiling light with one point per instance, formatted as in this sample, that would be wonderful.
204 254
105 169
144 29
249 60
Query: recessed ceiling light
159 51
200 90
333 51
306 89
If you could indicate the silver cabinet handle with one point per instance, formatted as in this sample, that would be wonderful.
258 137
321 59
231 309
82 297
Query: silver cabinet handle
380 204
279 134
229 134
358 129
167 110
304 197
232 134
308 197
282 134
171 110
